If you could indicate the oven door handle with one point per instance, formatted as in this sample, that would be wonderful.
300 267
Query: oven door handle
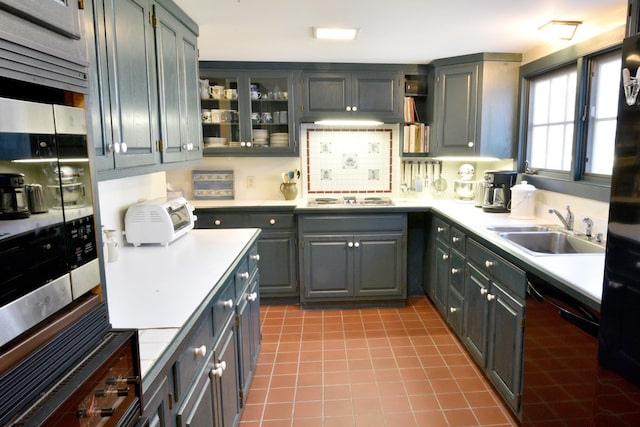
587 325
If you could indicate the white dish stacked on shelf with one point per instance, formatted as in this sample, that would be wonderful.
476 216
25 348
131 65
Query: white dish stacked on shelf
280 140
260 137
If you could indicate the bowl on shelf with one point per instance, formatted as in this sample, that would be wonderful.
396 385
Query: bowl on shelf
213 141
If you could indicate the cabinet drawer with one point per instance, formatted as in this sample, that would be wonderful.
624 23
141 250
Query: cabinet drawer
457 239
252 258
223 305
497 267
353 223
269 220
193 356
213 220
441 230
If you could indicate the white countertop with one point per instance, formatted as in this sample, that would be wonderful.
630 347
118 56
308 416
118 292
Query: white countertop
156 289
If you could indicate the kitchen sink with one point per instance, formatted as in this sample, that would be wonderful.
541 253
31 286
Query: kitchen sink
552 242
521 228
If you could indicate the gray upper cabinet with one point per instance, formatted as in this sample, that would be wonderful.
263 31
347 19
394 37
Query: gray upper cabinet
357 95
142 103
475 103
177 59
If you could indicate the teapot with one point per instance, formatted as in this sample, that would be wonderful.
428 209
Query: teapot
204 88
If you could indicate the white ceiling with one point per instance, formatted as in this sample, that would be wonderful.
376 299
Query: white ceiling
391 31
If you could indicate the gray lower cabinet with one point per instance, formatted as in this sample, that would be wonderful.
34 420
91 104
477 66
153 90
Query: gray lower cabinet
475 105
352 258
276 245
203 381
142 105
354 95
494 319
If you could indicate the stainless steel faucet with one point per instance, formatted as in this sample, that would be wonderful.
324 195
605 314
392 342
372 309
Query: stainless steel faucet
568 221
589 229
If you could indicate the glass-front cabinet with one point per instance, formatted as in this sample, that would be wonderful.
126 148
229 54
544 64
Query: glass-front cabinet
248 113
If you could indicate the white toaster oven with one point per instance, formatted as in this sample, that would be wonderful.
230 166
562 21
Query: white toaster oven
158 221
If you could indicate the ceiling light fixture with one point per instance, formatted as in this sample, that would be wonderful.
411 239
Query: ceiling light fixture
325 33
561 30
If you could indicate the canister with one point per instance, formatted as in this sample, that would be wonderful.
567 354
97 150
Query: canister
523 201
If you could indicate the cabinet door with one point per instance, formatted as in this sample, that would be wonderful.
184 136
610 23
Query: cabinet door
248 336
225 128
132 82
456 109
176 51
277 263
59 16
225 373
157 406
441 288
378 265
476 314
505 346
377 93
327 93
327 266
199 407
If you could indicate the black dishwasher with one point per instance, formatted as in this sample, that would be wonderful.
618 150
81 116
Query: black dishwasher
560 359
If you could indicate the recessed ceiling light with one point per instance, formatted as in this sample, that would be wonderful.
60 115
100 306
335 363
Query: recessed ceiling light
561 30
326 33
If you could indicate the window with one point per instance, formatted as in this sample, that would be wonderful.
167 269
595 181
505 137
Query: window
569 116
551 120
603 112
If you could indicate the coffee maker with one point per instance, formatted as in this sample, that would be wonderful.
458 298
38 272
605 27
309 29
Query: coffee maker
497 193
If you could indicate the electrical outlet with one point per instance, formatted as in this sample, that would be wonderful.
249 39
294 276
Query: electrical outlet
250 181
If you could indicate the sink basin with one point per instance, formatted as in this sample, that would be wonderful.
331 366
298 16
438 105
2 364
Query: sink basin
552 242
521 228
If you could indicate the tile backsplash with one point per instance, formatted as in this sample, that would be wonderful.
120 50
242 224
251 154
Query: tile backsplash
349 159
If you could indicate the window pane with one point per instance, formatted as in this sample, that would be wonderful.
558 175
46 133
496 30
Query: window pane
605 83
552 111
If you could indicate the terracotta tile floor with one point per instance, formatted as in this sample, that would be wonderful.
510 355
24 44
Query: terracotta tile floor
395 367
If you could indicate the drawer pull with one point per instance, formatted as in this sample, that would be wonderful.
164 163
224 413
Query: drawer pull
216 372
255 257
350 244
440 229
217 222
252 296
489 264
453 309
244 275
483 291
200 351
222 365
454 271
490 297
228 303
445 256
455 239
272 221
356 244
